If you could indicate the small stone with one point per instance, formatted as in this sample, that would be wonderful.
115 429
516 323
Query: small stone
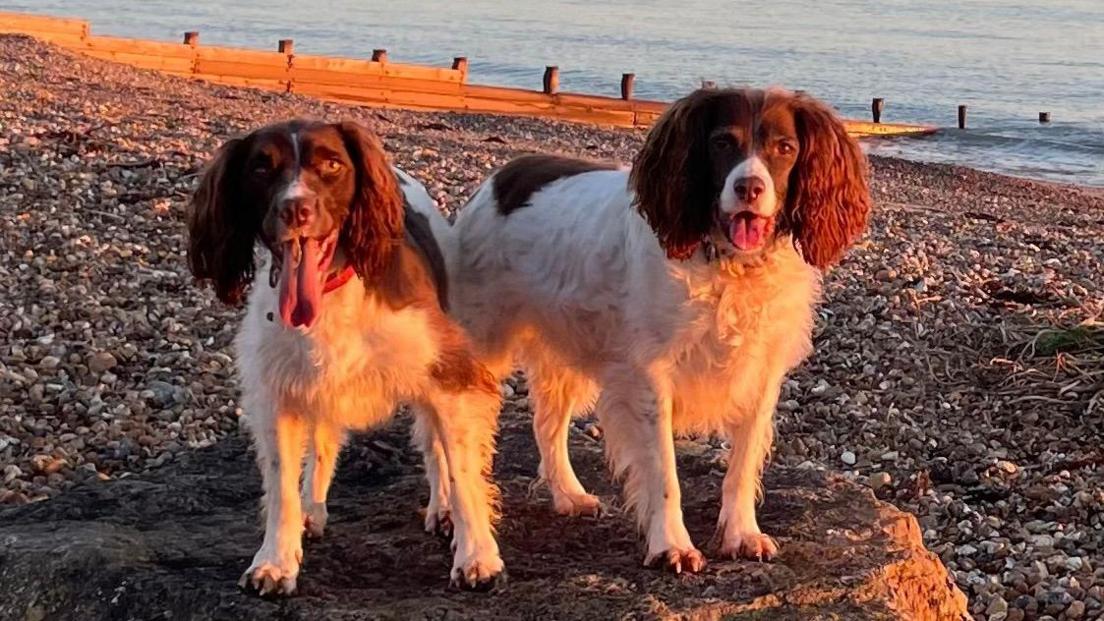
848 458
103 361
880 480
966 550
889 456
1076 610
1075 563
997 610
49 362
1007 467
11 473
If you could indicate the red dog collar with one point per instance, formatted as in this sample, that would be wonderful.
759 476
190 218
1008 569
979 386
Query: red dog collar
335 281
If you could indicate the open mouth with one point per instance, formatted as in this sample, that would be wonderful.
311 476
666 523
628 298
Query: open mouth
748 231
306 261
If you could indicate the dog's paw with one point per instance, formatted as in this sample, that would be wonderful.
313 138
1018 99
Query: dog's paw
677 561
479 572
753 545
583 504
438 523
268 580
314 520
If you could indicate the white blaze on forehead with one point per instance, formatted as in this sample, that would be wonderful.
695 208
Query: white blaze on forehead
295 189
752 167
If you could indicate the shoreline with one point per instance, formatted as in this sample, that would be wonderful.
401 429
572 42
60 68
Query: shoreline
928 365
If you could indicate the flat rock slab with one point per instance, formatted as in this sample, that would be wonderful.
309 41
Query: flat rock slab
172 543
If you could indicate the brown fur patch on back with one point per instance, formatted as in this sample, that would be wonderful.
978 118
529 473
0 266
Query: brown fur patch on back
518 180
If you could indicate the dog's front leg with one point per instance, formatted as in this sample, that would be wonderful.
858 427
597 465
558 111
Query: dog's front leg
635 413
323 449
465 422
751 433
438 517
279 437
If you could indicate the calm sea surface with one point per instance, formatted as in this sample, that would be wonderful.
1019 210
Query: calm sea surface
1007 59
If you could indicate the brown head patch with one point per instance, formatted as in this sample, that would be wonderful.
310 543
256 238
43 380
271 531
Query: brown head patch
516 182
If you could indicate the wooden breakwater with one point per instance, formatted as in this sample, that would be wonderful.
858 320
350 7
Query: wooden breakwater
376 82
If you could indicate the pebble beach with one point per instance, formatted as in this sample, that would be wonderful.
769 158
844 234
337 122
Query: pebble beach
959 364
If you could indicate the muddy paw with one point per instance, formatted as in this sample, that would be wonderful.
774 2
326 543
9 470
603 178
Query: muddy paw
269 580
438 523
754 546
586 505
677 561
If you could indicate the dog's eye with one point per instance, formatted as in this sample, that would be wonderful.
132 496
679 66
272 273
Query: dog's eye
332 167
786 148
261 168
722 143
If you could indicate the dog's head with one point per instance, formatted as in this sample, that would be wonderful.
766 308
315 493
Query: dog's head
743 167
319 196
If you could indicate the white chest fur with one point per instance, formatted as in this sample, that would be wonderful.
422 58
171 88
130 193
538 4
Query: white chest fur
744 327
352 366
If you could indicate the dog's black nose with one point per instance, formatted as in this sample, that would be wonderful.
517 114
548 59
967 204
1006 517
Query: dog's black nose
748 189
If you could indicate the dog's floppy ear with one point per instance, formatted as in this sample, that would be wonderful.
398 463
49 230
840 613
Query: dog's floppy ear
671 175
222 225
374 225
830 203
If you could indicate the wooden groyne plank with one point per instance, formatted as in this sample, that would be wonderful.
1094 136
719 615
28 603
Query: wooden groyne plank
375 82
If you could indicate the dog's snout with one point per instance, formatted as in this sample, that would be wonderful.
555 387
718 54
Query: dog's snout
749 189
298 212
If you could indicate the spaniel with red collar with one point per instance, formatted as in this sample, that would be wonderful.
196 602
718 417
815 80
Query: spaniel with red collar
671 299
349 322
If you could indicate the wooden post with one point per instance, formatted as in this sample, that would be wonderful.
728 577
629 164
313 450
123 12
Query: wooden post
286 46
627 81
962 117
1044 117
551 80
379 56
191 38
876 108
460 63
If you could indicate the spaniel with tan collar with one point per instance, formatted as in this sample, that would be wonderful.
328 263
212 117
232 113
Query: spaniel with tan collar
349 322
671 299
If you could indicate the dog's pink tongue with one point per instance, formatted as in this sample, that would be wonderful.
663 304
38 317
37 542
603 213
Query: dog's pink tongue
301 283
748 233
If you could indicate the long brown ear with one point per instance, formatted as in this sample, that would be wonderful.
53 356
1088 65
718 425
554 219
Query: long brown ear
671 175
831 205
375 221
222 227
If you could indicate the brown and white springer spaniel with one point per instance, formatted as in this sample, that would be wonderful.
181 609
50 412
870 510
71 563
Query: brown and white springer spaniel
673 298
348 323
